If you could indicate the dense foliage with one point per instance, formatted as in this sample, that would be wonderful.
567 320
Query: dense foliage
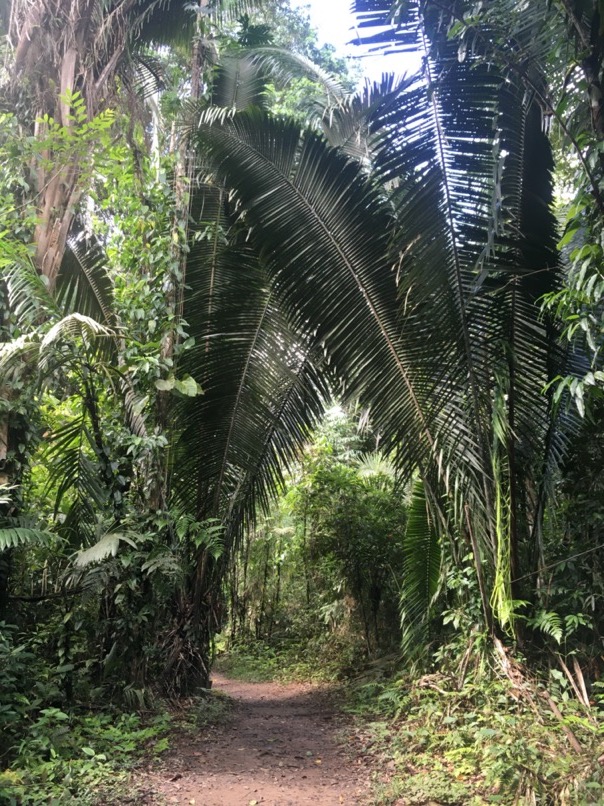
204 239
322 572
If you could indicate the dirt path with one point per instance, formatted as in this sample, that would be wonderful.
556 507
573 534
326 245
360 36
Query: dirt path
280 748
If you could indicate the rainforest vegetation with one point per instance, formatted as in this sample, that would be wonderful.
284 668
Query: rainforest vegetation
307 369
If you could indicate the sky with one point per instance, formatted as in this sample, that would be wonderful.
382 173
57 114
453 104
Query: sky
335 25
332 18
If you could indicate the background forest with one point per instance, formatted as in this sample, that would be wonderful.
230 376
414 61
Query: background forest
304 363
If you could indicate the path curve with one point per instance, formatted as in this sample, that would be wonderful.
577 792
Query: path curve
282 747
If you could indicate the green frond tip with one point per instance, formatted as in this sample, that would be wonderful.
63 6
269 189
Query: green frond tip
107 546
13 536
421 567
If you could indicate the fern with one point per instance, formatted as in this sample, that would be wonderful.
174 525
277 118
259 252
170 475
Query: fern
549 623
167 564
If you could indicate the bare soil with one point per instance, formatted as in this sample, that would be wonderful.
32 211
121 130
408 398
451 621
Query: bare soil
284 745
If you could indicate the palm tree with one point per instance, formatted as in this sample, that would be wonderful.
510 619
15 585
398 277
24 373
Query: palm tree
63 51
71 61
421 284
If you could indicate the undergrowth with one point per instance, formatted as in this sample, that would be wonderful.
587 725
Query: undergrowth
70 758
314 660
94 759
486 742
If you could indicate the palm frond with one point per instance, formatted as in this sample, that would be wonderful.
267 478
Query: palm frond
376 466
13 352
324 233
237 83
83 285
455 147
107 546
421 567
249 362
13 536
148 77
74 470
170 23
164 563
29 297
283 65
75 325
467 128
348 123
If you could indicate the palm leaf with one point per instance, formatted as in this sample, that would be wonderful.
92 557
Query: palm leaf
251 365
349 123
454 149
74 471
72 326
237 83
324 233
472 132
29 298
13 352
83 285
13 536
282 65
422 562
107 546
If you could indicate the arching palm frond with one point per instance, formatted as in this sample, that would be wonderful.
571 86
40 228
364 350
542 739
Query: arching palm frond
72 326
237 83
324 234
254 369
170 23
83 285
282 65
469 130
454 148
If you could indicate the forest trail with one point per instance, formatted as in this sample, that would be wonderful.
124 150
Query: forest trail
282 746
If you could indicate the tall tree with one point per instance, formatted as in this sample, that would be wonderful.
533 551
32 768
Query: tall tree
60 49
